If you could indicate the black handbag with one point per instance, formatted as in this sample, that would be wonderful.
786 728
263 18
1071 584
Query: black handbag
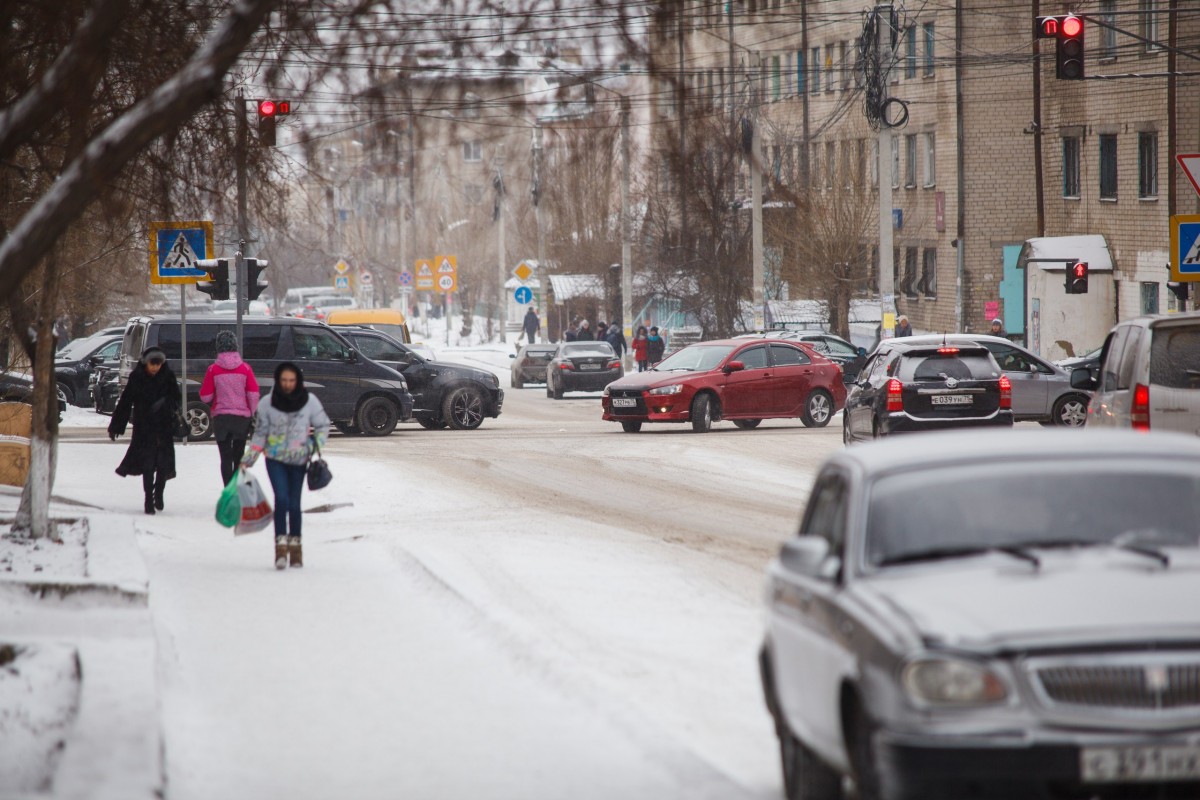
319 475
179 426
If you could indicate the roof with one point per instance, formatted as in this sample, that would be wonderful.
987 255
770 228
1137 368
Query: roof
568 287
225 319
1091 248
984 446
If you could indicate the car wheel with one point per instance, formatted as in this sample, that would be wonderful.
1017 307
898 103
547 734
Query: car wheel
631 427
747 424
806 777
702 413
66 394
860 746
1070 411
430 424
847 438
377 416
463 409
516 382
875 434
818 410
199 422
346 429
556 392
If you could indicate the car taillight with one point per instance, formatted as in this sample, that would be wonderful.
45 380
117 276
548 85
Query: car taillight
1005 392
895 399
565 365
947 351
614 364
1139 415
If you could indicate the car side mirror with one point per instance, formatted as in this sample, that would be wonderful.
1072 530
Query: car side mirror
1084 378
353 357
807 555
94 360
734 366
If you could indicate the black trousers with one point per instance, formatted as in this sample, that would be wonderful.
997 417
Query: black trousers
231 451
152 482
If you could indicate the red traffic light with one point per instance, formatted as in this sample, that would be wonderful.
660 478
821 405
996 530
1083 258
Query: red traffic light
274 108
1081 269
1072 26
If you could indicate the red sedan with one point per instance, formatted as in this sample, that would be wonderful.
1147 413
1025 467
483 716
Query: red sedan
734 379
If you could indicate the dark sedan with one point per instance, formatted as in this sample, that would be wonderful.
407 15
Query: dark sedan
74 364
582 367
18 388
926 386
529 365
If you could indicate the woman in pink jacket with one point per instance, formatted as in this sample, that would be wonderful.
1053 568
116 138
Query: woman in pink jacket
231 392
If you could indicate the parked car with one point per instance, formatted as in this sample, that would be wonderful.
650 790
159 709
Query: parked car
1090 360
741 380
16 387
1005 615
354 390
529 365
833 347
104 386
443 394
1041 391
74 364
912 384
581 367
256 308
1149 375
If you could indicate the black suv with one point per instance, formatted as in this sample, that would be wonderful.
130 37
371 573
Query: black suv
75 362
357 393
443 394
924 387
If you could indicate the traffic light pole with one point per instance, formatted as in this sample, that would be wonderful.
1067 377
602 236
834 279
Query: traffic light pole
239 281
887 277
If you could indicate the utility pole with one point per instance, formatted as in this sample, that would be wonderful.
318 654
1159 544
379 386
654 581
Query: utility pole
626 247
1040 191
681 109
756 229
804 95
501 272
243 223
887 279
960 161
541 233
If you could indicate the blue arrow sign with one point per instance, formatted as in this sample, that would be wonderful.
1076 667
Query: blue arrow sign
523 295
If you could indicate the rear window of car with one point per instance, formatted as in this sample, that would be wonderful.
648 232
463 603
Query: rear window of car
587 348
941 366
1175 357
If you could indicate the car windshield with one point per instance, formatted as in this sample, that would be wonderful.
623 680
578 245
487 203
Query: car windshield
77 349
587 349
697 358
932 513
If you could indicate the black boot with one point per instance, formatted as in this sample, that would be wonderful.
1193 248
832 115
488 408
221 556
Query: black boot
149 503
158 494
148 488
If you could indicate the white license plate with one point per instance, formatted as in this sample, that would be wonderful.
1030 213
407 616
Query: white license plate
624 402
589 366
951 399
1135 764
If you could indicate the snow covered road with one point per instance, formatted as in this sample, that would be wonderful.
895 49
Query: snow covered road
542 608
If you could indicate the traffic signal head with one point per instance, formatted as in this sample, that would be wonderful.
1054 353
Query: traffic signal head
217 286
268 112
256 284
1077 277
1068 53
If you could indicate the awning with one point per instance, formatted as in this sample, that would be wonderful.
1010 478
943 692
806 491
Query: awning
570 287
1091 248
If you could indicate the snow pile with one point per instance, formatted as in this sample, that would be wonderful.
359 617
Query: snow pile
39 698
28 557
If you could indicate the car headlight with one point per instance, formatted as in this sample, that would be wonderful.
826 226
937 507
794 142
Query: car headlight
672 389
948 681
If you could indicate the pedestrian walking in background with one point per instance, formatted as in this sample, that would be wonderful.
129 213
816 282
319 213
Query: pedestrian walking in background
572 333
531 325
902 327
231 391
287 430
655 346
584 334
601 331
640 347
616 339
150 400
998 328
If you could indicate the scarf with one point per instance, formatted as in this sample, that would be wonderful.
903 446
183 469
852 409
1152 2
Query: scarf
296 400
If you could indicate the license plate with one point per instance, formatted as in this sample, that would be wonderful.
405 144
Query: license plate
951 399
589 366
624 402
1143 763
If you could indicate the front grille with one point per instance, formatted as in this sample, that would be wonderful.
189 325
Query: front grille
1130 686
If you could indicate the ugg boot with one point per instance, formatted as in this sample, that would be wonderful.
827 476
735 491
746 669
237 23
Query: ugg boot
294 551
281 552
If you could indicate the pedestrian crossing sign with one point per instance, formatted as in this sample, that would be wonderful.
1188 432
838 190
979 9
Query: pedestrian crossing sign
1185 247
174 249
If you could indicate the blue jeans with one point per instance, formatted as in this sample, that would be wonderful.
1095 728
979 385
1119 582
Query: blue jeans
287 480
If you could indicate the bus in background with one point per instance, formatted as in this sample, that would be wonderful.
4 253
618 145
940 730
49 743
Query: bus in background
387 320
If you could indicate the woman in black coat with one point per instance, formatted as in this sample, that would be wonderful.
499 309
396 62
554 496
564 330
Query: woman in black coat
150 398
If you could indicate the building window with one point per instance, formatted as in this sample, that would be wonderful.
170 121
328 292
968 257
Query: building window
874 163
814 167
928 29
830 164
472 151
910 161
860 173
895 162
1150 26
1148 164
800 88
787 73
910 52
929 273
909 284
930 160
776 79
1149 298
844 66
1108 166
829 68
1070 167
1108 36
776 163
816 70
847 172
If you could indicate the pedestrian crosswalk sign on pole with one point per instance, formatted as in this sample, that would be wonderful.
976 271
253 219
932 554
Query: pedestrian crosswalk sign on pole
175 247
1185 247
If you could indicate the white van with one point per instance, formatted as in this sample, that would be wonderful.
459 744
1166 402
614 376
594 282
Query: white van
1149 375
299 296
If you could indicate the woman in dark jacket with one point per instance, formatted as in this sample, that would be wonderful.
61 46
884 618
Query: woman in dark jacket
150 399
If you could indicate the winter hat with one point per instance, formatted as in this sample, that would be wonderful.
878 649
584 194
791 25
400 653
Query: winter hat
998 321
153 354
226 342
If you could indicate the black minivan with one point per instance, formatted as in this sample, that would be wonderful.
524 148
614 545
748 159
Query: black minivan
355 391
